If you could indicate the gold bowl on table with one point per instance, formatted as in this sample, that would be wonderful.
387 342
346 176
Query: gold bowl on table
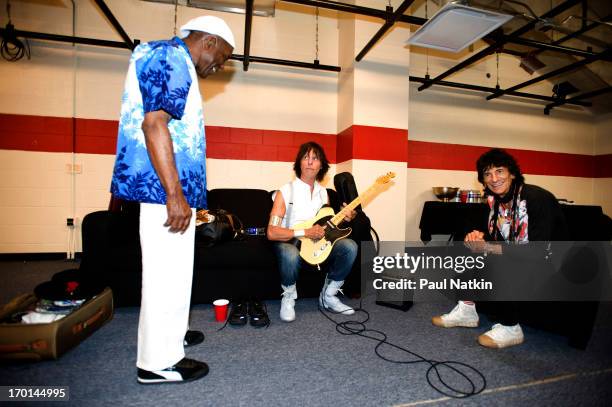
445 193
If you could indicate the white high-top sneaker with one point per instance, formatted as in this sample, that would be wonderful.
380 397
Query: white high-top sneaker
502 336
463 315
287 310
328 299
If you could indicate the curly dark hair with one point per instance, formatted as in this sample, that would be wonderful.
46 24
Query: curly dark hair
318 150
496 157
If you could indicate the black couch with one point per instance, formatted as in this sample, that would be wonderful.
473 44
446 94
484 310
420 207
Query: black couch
233 270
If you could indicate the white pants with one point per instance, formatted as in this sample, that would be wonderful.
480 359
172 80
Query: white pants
167 274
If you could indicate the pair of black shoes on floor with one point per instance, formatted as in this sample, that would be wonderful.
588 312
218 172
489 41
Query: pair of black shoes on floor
185 370
254 310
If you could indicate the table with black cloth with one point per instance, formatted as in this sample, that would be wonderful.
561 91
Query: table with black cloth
585 223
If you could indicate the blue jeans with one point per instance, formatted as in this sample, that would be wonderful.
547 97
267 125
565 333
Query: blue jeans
338 264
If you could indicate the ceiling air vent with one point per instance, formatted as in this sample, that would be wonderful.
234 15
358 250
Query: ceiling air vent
456 26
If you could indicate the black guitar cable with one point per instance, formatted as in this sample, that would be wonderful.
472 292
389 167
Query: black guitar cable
11 48
473 378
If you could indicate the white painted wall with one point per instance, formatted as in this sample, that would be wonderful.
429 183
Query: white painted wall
387 208
374 92
603 135
85 81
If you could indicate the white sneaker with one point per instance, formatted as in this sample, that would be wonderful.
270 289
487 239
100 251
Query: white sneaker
502 336
463 315
287 309
329 300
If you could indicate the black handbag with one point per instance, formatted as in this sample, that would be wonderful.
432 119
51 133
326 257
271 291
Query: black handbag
217 226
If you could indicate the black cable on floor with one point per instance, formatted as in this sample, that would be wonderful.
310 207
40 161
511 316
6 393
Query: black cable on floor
475 384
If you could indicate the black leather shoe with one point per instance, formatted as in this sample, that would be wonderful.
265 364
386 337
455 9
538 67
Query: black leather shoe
193 338
258 314
186 370
238 314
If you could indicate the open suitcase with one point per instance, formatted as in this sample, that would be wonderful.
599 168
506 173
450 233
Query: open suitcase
20 341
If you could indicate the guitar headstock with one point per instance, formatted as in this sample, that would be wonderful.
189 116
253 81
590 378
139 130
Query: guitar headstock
385 179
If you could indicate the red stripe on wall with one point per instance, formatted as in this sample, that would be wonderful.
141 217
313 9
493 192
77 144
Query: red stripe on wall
422 154
96 136
380 143
35 133
54 134
372 143
262 145
603 166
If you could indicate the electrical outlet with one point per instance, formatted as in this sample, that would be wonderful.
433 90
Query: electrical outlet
70 222
74 169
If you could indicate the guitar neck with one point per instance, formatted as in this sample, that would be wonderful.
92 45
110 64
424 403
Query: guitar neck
351 206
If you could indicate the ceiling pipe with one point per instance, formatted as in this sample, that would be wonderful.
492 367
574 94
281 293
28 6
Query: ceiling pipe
486 89
123 45
346 8
109 14
248 21
284 62
511 52
364 11
574 99
543 46
386 15
67 38
556 72
581 31
498 43
386 26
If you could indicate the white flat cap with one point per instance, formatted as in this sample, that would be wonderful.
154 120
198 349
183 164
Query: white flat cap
209 24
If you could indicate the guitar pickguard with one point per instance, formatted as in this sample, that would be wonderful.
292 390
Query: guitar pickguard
316 251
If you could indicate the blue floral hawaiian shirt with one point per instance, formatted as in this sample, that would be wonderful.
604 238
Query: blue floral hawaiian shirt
161 76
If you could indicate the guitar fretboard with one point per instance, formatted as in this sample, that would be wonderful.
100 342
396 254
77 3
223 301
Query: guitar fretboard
341 214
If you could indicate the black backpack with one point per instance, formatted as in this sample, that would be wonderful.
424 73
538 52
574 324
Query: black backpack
217 226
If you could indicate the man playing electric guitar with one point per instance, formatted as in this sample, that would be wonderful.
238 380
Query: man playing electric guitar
295 203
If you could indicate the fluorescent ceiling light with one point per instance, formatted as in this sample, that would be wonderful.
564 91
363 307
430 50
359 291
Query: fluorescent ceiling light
456 26
262 8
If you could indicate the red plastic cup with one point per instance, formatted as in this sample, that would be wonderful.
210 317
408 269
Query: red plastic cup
220 310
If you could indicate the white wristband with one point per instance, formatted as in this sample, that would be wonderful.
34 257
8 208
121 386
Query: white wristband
298 233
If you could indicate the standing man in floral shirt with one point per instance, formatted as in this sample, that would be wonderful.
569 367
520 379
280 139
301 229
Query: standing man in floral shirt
161 152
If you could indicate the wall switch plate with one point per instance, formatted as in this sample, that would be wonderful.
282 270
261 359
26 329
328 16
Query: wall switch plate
74 169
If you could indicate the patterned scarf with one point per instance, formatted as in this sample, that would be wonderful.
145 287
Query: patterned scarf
508 219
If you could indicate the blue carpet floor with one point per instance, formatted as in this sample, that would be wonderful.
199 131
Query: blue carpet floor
309 363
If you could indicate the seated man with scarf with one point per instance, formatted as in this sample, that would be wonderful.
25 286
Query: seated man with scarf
519 213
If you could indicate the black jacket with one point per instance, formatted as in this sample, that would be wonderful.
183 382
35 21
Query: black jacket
546 219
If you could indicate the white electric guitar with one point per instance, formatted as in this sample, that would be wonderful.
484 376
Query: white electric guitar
316 252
